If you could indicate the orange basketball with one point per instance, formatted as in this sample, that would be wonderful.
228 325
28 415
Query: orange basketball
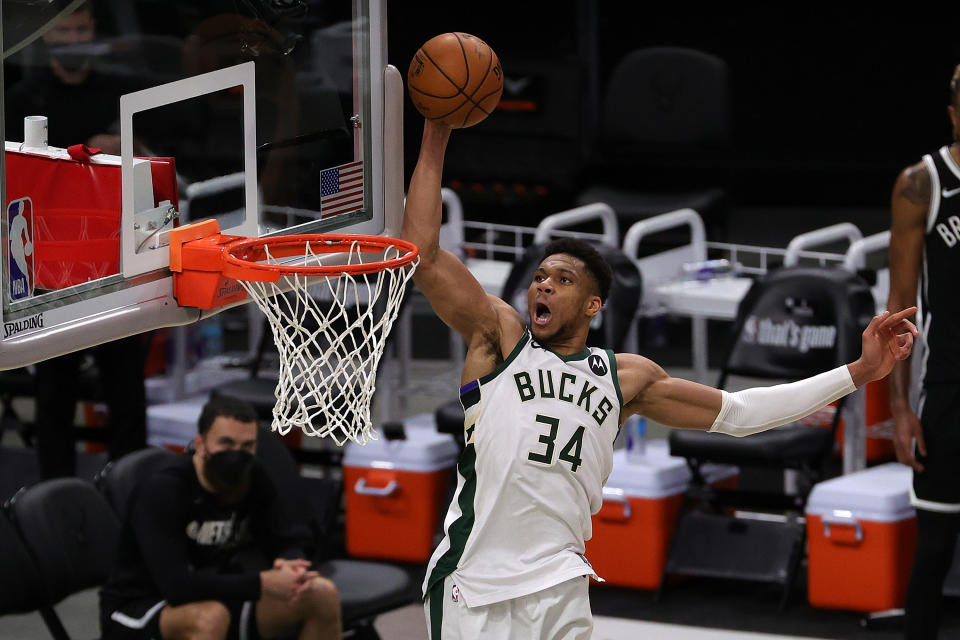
455 79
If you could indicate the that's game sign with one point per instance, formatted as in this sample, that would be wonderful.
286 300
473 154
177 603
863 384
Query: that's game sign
20 248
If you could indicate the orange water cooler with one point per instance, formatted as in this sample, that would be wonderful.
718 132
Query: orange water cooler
861 532
641 505
396 492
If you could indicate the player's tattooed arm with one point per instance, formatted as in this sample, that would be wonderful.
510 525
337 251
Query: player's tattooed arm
915 187
909 207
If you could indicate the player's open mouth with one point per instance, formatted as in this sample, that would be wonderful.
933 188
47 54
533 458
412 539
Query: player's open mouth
541 314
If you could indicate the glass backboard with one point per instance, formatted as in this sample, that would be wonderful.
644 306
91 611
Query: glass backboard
271 117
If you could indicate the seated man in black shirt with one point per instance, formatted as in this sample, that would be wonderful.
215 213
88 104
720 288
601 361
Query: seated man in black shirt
177 573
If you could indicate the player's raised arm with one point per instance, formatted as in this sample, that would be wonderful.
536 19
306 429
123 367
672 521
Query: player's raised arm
452 290
649 391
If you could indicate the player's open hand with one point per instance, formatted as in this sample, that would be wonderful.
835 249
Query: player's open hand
888 338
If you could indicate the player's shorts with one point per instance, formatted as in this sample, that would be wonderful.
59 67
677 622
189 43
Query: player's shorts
140 620
561 612
937 487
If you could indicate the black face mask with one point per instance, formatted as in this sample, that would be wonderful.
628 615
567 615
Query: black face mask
70 58
228 470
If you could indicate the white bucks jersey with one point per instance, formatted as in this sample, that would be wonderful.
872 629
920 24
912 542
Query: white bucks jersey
539 446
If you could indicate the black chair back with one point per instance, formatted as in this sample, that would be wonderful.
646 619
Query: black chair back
795 322
310 503
118 480
71 533
612 324
669 99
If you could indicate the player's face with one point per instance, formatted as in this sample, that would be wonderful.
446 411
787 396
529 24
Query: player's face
229 434
226 456
561 299
75 28
71 67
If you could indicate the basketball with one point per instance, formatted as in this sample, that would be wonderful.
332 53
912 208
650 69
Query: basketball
455 79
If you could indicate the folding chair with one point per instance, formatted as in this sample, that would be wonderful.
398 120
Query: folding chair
71 535
793 323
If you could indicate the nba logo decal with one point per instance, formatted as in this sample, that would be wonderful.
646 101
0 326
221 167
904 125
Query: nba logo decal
455 593
20 248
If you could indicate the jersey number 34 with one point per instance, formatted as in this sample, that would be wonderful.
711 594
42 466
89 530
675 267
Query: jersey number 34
569 453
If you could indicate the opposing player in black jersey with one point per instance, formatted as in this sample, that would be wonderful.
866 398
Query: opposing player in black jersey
178 574
925 247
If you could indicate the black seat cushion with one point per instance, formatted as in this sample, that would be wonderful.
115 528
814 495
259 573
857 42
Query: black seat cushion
368 588
789 446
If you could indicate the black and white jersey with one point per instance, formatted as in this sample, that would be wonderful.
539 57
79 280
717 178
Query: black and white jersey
940 303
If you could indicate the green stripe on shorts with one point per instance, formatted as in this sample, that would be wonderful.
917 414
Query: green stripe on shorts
436 610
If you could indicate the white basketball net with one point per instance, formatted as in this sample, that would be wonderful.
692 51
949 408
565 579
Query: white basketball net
330 335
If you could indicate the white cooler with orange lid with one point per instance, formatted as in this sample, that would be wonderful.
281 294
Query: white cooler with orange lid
642 500
861 531
396 491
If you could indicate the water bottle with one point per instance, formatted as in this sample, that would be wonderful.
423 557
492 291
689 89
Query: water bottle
211 338
708 269
636 436
657 327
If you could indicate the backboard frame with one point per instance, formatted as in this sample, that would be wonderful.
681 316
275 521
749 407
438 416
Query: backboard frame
145 301
133 262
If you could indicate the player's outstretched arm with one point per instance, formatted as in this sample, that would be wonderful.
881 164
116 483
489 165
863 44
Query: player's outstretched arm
452 290
648 390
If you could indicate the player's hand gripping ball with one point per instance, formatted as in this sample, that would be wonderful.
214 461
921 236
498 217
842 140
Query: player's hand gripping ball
455 79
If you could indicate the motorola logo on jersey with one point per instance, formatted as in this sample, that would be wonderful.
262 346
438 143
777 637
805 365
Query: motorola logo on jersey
597 365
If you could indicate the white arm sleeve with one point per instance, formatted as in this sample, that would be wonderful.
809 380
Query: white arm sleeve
761 408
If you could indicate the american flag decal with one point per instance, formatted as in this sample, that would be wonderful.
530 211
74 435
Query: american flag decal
341 189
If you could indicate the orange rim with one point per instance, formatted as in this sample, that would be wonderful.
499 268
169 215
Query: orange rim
245 255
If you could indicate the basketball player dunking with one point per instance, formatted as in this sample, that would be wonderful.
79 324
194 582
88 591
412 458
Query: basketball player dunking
925 230
542 412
